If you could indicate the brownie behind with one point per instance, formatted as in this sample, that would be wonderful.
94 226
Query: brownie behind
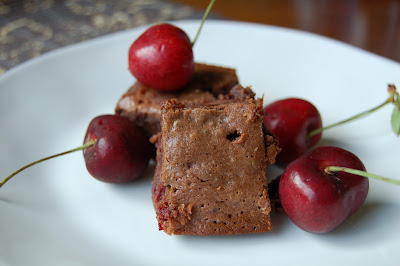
142 104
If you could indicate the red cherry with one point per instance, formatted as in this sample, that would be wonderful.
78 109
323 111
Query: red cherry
121 152
162 58
291 120
316 200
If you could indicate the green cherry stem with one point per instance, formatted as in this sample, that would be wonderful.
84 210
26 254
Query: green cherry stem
84 146
391 99
355 117
202 21
334 169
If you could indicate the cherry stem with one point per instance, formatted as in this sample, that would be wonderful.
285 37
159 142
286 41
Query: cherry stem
357 116
333 169
84 146
202 21
392 92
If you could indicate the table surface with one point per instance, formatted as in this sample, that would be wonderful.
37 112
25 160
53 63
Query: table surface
373 25
31 28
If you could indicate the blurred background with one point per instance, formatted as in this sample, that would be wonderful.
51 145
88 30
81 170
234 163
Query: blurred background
29 28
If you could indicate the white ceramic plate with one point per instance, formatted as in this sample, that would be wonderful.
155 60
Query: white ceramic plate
57 214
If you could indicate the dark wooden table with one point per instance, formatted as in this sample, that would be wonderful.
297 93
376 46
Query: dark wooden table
373 25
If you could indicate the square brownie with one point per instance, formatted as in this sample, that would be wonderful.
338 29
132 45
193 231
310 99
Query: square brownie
142 104
210 177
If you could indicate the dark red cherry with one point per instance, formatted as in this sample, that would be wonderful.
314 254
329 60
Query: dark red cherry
317 200
121 152
291 120
162 58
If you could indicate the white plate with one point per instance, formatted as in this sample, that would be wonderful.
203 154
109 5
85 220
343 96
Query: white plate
56 214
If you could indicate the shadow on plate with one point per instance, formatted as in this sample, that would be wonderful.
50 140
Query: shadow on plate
140 189
325 141
373 223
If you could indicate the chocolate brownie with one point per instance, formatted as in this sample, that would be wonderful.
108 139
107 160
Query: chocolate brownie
142 104
210 177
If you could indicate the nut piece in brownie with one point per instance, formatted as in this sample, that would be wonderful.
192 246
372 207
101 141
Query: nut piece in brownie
142 104
210 177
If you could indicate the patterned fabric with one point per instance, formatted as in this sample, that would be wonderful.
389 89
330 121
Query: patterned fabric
31 28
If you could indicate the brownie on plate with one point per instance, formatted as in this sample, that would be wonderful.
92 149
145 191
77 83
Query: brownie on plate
210 177
142 104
